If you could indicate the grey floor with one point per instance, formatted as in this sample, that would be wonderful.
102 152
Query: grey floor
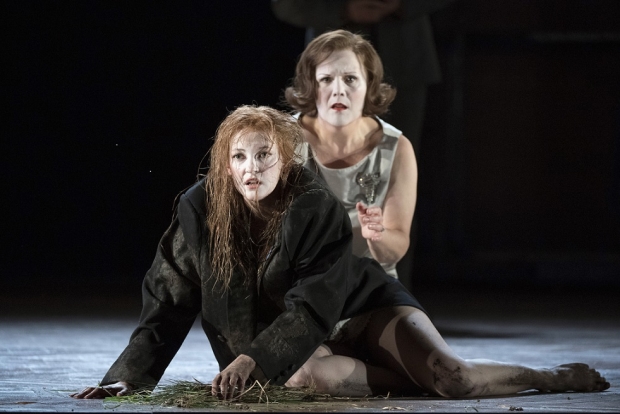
53 346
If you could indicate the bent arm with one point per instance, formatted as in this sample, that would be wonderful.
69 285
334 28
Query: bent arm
398 207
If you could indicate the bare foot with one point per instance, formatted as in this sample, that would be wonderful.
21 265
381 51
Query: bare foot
574 377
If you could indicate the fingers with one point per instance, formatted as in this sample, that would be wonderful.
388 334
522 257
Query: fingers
376 227
99 393
118 389
227 387
374 212
372 219
83 393
372 215
361 208
221 387
93 393
368 211
369 214
377 235
226 391
87 393
215 385
122 392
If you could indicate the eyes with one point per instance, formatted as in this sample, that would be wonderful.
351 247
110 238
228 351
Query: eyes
348 79
261 156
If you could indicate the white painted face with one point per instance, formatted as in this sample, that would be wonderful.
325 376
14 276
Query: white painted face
255 166
342 88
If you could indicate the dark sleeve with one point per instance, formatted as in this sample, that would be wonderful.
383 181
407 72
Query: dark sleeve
170 302
317 241
321 14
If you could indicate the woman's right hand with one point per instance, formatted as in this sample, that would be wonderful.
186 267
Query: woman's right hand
231 381
117 389
371 220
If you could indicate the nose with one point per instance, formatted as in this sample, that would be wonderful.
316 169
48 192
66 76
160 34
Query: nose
252 166
338 87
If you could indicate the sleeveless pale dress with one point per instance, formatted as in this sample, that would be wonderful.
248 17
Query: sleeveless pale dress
342 182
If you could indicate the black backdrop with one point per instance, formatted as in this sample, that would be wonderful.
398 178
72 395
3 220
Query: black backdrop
109 108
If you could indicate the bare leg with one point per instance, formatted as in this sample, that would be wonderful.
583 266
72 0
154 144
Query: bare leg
403 339
340 375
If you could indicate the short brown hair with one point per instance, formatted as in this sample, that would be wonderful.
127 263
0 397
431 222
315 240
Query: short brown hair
301 96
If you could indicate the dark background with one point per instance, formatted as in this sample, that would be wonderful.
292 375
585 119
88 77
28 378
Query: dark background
109 108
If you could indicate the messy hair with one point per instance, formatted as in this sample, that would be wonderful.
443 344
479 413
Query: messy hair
302 95
228 212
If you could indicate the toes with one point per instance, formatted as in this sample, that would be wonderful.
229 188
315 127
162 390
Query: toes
602 384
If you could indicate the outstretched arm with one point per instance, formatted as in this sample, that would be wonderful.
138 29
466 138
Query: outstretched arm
171 300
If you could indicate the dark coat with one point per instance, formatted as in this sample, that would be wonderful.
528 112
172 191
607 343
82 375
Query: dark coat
311 279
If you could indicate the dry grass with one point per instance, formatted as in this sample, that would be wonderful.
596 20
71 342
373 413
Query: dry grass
194 394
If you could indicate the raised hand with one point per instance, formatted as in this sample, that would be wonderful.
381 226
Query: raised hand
371 219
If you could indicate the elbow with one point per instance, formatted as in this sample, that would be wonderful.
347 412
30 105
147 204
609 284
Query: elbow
391 257
396 257
390 254
401 250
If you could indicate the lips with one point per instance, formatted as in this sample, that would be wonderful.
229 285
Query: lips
339 107
252 183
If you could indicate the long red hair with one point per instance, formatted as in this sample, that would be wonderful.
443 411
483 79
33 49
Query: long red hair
228 213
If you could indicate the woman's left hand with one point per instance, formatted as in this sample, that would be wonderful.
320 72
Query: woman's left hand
371 219
231 381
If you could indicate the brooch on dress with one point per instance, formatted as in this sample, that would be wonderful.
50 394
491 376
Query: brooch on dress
369 183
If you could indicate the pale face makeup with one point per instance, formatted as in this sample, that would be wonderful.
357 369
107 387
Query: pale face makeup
255 166
341 88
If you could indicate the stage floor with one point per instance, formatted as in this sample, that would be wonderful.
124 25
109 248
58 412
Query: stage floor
53 346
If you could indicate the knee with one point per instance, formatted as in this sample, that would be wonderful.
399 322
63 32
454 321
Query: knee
307 377
453 379
310 375
301 378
